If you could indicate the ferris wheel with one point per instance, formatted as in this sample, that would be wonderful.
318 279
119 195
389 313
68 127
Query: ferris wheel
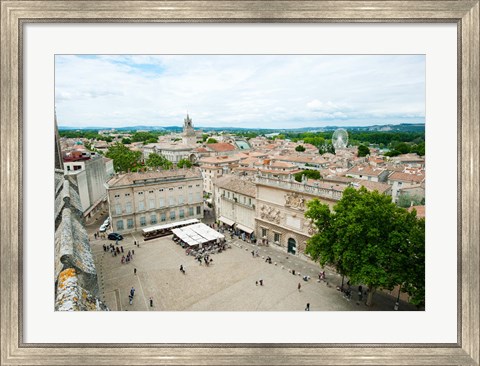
340 139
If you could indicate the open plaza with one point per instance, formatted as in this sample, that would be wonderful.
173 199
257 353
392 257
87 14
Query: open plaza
230 283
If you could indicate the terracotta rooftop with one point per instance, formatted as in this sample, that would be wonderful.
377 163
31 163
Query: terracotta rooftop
219 160
235 184
153 176
365 170
406 177
221 147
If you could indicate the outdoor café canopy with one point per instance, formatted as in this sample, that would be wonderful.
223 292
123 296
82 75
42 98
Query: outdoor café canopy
197 234
244 228
226 221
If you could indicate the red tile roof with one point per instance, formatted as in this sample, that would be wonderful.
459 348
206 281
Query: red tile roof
221 147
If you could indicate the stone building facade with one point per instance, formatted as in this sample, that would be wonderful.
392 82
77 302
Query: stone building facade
280 210
234 201
139 200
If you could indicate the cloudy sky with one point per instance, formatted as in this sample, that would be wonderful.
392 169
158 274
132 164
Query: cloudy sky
279 91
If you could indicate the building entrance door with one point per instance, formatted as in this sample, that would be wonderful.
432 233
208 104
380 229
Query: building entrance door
292 246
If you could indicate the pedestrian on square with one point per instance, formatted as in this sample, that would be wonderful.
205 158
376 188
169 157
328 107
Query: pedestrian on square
261 282
132 291
308 307
135 271
129 254
133 252
121 249
104 248
299 286
253 254
130 297
135 243
182 269
256 283
95 236
151 302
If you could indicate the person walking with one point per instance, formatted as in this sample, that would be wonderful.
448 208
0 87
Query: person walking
133 252
261 282
121 248
151 302
308 307
182 269
135 271
132 291
299 286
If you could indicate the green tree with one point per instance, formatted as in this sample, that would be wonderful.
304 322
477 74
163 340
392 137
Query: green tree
158 161
123 158
126 141
204 137
327 148
312 174
211 140
363 151
184 163
300 148
405 200
370 240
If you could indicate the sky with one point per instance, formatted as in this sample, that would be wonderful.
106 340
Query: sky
250 91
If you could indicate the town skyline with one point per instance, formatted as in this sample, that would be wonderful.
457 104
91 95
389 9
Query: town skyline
242 91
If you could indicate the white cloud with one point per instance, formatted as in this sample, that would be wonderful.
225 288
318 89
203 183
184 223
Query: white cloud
245 91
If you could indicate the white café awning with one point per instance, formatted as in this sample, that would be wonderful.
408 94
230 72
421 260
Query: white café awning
226 221
244 228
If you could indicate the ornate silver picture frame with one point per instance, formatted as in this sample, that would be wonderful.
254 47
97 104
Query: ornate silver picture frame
15 14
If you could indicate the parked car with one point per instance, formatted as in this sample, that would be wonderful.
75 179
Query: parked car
103 228
115 236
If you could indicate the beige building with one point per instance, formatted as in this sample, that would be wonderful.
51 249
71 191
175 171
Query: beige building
234 200
214 167
138 200
280 209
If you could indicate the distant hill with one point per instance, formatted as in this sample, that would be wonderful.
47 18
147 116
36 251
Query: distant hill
403 127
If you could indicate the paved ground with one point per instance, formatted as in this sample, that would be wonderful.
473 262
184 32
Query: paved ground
227 285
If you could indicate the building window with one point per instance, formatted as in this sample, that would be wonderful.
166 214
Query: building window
249 201
140 192
141 206
150 191
127 194
276 238
151 203
143 221
244 199
120 225
189 186
130 223
117 196
118 209
163 217
181 214
153 219
198 196
128 207
190 211
180 187
161 189
172 215
170 189
264 232
190 197
162 202
180 200
199 210
171 201
197 185
228 194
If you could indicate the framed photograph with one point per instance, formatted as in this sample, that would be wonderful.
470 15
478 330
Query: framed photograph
227 61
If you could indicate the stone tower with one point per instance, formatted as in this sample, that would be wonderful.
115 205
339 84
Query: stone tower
188 136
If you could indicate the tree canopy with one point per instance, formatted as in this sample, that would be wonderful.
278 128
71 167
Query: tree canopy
372 241
363 151
124 159
158 161
300 148
184 163
211 140
312 174
327 148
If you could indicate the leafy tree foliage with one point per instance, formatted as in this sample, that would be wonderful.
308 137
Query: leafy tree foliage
312 174
300 148
328 148
370 240
405 200
363 151
126 141
211 140
123 158
145 137
184 163
158 161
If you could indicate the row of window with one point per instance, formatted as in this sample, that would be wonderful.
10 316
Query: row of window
276 236
153 218
172 201
227 194
160 190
